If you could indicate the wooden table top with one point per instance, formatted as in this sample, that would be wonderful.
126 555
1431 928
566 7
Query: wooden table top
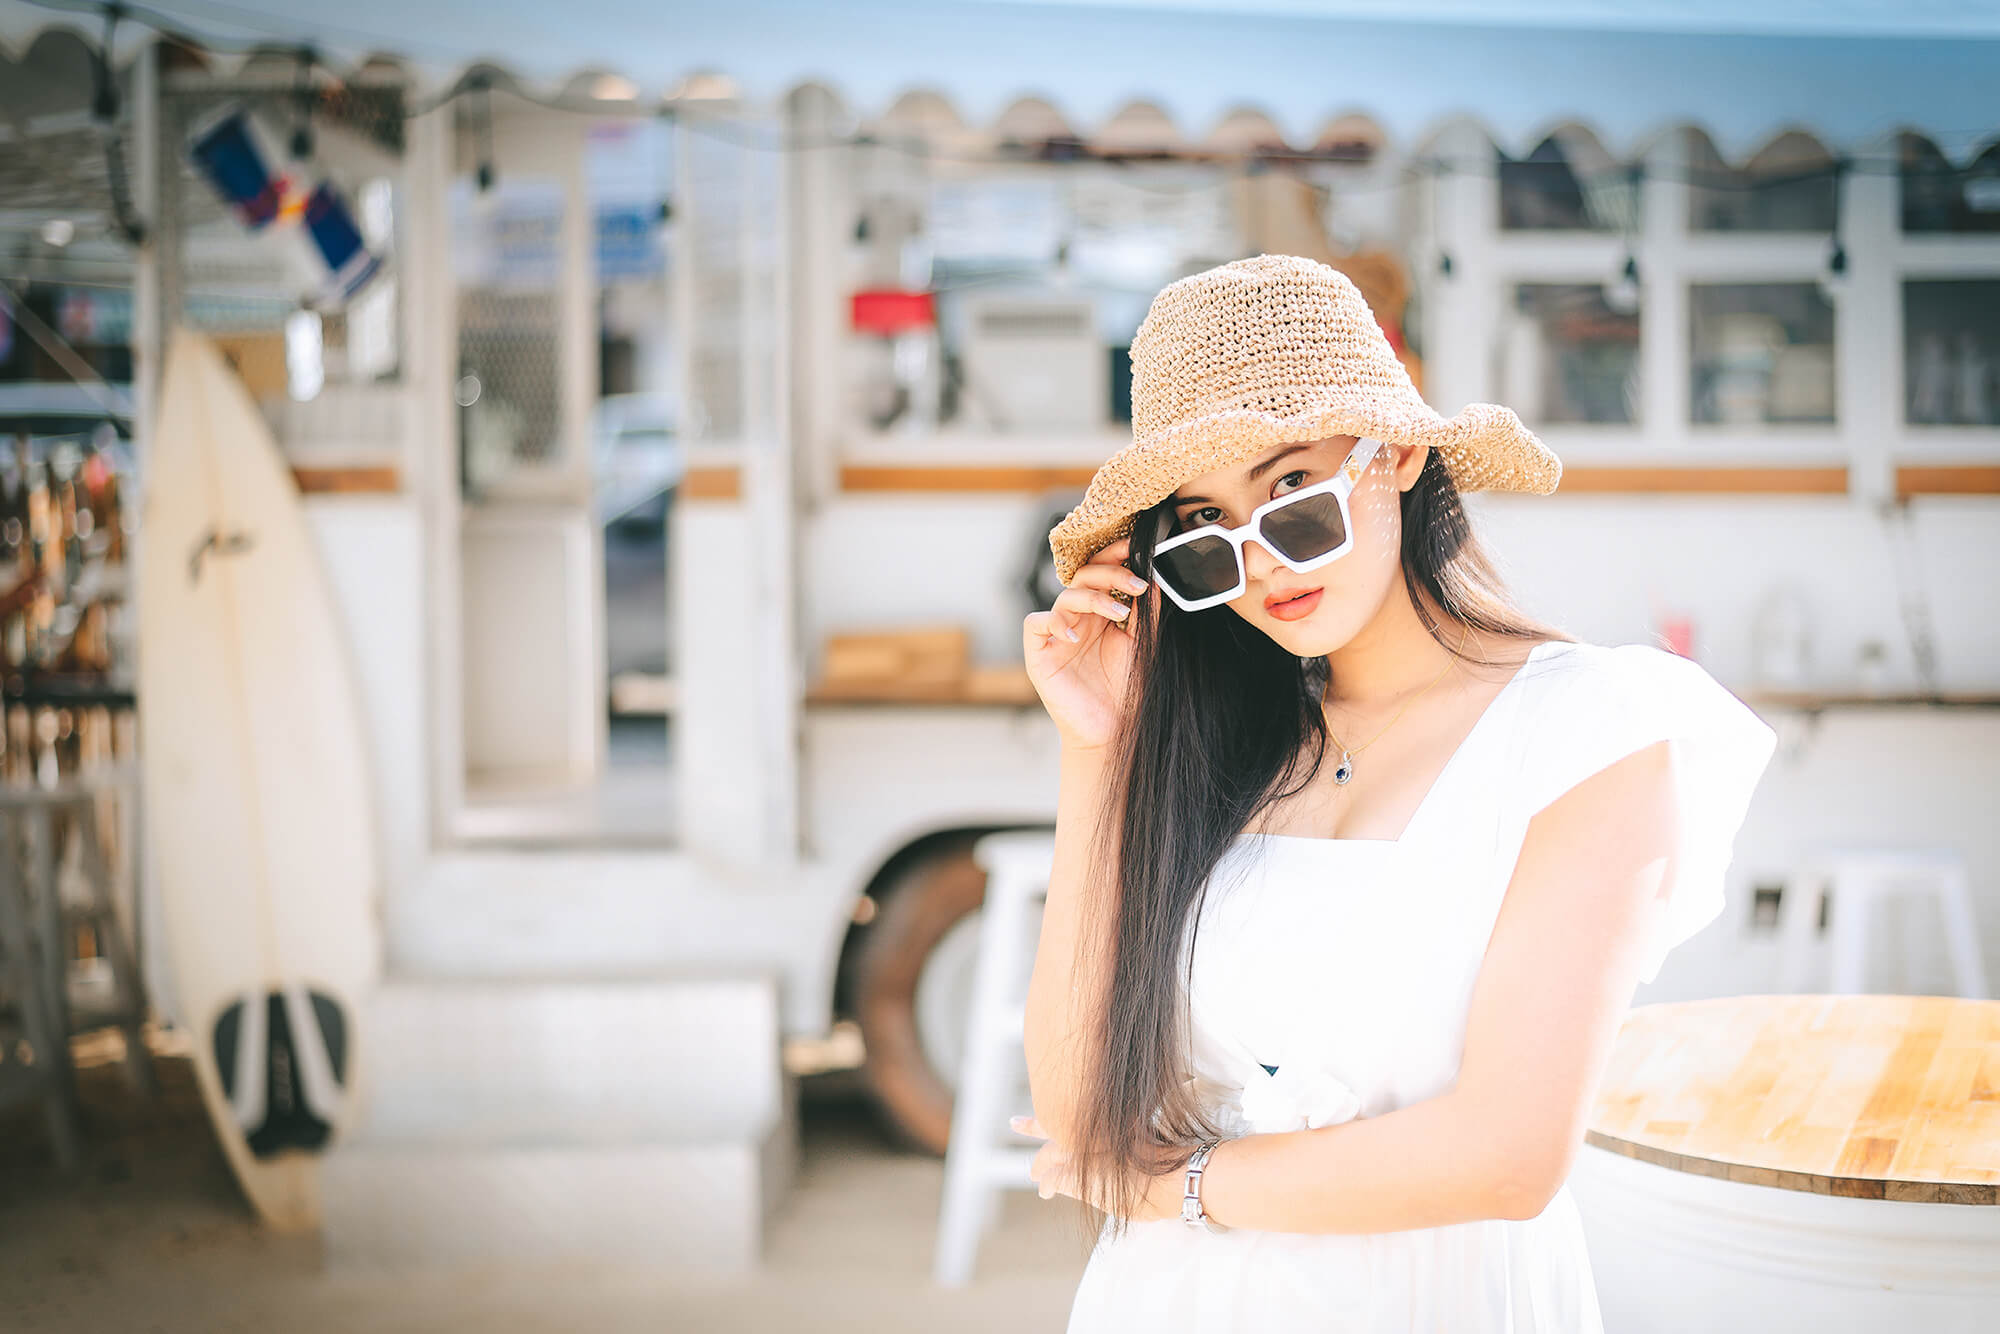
1874 1097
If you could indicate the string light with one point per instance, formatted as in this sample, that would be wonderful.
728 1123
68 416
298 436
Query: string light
1837 261
485 175
1623 296
303 98
1065 148
104 108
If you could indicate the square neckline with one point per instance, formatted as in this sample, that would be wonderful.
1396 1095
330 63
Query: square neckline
1424 803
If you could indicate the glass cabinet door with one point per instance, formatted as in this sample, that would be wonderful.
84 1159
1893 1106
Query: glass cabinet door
1569 352
1760 353
1951 346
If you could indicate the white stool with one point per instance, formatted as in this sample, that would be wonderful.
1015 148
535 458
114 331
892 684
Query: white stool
976 1166
1856 880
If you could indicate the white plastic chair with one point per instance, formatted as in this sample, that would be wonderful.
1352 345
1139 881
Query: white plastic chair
1859 883
977 1164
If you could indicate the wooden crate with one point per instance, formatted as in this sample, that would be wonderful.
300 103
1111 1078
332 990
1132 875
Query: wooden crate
923 659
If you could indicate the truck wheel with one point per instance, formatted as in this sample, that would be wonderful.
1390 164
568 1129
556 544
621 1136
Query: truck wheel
913 991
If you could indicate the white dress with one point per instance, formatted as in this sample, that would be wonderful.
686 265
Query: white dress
1348 965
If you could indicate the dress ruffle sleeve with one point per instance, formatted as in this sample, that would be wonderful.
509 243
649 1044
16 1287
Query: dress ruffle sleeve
1616 701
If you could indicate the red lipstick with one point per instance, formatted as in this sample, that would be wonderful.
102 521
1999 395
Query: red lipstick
1292 607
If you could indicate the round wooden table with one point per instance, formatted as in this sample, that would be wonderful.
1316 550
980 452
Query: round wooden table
1812 1162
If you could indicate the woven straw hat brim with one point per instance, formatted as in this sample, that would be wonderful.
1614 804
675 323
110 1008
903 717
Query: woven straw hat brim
1484 446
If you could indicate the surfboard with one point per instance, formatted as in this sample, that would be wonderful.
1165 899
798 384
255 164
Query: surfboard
257 790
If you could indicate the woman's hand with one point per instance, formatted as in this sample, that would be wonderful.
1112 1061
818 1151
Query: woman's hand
1054 1174
1079 651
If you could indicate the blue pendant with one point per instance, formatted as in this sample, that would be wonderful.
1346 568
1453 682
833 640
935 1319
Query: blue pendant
1345 769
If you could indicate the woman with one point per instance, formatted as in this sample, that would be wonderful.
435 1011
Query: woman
1356 867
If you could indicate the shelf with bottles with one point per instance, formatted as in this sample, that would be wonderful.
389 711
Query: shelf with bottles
64 519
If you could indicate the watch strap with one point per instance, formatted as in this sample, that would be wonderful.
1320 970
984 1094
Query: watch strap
1191 1211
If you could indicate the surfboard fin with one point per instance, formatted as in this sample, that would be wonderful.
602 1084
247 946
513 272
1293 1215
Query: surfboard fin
282 1057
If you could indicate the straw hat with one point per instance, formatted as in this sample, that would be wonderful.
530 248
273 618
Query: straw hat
1259 352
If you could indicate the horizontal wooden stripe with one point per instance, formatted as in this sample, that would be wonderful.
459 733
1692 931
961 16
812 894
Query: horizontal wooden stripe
713 481
1947 479
963 477
1695 479
347 481
724 481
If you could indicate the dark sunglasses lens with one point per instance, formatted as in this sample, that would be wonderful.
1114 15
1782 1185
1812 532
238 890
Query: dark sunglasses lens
1305 529
1198 569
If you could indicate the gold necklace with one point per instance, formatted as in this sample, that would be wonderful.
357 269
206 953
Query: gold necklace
1344 771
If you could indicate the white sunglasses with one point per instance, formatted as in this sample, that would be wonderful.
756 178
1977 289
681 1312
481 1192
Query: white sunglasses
1203 567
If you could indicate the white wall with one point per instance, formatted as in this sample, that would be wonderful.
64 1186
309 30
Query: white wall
1595 565
373 548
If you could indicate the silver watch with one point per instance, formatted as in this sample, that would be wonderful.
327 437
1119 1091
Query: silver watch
1191 1211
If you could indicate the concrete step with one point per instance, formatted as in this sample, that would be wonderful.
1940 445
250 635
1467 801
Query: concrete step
643 1120
581 1062
581 912
696 1206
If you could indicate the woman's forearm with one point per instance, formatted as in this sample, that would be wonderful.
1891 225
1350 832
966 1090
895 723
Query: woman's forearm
1430 1164
1062 1005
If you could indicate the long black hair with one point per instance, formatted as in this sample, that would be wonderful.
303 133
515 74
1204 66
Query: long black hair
1219 722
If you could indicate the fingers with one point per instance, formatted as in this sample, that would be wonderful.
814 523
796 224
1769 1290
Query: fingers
1090 592
1045 625
1108 570
1113 552
1050 1171
1078 601
1067 617
1108 576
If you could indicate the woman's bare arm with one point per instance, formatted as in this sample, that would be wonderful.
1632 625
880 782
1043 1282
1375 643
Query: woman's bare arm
1558 974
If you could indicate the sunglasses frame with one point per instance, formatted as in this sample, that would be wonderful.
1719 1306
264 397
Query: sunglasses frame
1340 486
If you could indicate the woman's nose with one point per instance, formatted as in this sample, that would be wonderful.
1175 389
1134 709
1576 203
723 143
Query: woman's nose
1257 562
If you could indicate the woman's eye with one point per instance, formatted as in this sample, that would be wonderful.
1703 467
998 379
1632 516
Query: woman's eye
1299 474
1202 517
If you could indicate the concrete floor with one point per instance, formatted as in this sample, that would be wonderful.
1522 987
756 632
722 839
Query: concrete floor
151 1237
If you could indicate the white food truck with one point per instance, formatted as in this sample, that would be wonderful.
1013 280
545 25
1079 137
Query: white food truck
889 312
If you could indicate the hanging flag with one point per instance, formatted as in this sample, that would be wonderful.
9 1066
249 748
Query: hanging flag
231 155
349 265
227 153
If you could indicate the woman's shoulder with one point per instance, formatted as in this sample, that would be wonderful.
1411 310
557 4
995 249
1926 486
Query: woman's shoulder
1589 704
1584 676
1593 704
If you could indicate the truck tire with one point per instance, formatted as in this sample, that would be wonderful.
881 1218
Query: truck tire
917 912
